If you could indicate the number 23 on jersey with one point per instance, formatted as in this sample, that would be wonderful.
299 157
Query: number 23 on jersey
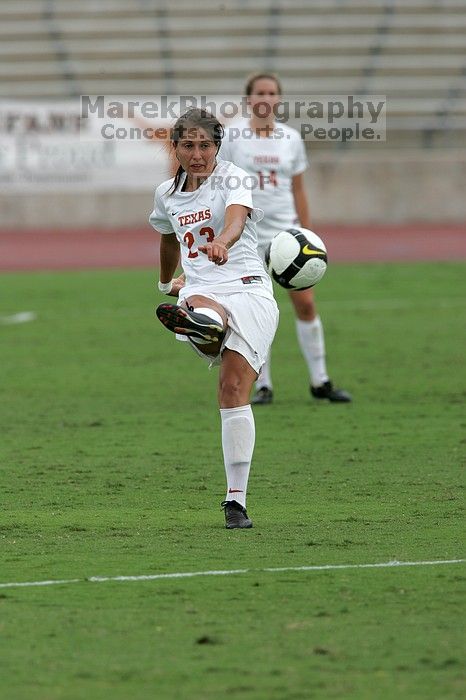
190 241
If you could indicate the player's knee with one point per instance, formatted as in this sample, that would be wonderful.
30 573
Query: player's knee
306 310
230 388
304 306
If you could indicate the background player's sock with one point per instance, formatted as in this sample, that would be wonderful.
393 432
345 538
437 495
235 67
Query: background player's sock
312 344
265 376
238 437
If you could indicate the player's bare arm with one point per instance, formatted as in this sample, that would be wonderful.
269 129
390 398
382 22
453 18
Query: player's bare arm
235 218
169 256
300 200
177 285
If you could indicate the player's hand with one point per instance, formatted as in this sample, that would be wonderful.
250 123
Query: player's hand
177 285
215 251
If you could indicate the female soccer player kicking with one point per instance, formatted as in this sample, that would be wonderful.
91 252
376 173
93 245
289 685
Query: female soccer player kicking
226 310
274 155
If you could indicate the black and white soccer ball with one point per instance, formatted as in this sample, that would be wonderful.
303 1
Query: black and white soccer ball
296 258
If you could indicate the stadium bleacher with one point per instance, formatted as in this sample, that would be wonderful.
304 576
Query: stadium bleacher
413 51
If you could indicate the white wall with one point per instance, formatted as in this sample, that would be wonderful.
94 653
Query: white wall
347 187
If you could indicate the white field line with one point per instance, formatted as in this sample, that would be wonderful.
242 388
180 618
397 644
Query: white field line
231 572
21 317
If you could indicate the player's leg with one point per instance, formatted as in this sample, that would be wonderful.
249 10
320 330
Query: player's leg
253 321
235 380
310 334
311 340
238 433
201 319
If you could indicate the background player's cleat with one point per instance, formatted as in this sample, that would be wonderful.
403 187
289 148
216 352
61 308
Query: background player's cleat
263 395
235 515
186 322
328 391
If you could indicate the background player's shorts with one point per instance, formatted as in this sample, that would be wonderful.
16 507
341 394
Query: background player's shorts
251 325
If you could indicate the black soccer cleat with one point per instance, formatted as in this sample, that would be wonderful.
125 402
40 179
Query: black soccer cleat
263 395
186 322
235 515
328 391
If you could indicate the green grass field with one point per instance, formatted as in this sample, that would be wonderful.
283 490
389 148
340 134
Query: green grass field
111 465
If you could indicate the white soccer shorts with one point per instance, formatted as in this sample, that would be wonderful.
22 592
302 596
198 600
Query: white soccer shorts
251 325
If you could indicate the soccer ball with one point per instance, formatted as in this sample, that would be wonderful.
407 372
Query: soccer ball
296 258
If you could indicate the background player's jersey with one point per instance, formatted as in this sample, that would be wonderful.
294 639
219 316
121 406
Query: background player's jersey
272 161
197 217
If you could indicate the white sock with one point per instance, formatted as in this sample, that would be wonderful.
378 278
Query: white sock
265 375
211 313
238 437
312 344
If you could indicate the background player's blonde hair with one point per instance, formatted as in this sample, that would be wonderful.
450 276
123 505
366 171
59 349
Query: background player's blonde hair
251 79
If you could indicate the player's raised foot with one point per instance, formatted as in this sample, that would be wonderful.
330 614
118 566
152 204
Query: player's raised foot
263 395
186 322
330 393
235 515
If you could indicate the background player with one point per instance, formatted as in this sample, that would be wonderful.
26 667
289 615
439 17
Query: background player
226 308
275 156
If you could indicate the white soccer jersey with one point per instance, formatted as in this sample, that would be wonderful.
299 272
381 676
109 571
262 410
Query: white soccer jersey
197 217
272 161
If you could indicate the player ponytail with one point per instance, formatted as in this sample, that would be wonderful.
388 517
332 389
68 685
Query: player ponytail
194 119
